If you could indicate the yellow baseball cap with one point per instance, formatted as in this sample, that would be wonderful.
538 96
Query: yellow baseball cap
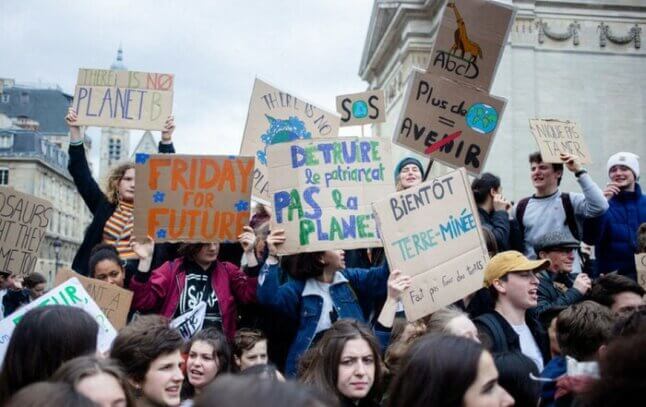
509 262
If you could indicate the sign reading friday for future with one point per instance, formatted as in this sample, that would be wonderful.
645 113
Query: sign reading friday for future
362 108
277 117
470 41
555 137
191 198
123 99
321 191
449 122
23 223
113 300
432 233
71 293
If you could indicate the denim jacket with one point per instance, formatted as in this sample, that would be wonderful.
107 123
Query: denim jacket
354 293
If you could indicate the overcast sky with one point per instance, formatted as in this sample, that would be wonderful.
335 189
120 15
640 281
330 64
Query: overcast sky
215 49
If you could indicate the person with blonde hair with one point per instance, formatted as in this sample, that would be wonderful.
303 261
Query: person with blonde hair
452 321
112 211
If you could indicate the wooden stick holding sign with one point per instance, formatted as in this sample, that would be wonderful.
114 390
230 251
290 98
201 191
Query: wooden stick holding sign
432 233
556 137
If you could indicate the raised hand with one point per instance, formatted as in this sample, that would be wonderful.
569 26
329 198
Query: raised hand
75 129
143 249
169 128
247 239
397 284
275 239
572 162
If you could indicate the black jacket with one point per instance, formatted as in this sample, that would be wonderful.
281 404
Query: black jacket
15 299
549 295
506 231
509 340
100 208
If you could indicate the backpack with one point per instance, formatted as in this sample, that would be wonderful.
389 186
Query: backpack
570 218
498 335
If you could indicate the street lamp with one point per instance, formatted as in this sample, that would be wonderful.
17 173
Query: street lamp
57 251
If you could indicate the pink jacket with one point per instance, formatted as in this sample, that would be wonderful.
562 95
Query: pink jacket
161 292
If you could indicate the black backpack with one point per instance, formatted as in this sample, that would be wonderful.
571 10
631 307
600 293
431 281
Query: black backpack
498 335
570 218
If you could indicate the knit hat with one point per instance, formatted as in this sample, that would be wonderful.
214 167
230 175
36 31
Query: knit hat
406 161
626 159
510 261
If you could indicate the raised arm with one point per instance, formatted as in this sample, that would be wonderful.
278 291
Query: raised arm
166 144
79 168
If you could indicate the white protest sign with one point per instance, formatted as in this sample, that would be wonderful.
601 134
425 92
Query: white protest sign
190 322
70 293
362 108
321 191
555 137
432 233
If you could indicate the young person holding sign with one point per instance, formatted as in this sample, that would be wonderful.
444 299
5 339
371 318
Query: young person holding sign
112 211
197 275
322 291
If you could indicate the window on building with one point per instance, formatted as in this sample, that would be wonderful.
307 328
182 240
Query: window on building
24 98
4 176
4 98
6 140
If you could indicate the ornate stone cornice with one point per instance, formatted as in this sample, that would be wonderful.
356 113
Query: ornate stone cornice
634 35
572 32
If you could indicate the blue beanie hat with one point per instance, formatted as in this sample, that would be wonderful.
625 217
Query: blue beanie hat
406 161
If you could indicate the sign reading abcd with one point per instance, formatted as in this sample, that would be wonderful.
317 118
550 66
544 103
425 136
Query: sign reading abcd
321 191
185 198
432 233
132 100
470 41
361 108
449 122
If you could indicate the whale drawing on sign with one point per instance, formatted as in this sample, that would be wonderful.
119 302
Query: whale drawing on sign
282 131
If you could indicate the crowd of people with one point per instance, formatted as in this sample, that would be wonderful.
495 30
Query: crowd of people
556 323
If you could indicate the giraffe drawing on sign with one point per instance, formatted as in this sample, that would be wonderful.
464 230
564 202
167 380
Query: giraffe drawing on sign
461 39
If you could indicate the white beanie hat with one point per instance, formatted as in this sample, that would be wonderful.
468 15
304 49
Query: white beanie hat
629 160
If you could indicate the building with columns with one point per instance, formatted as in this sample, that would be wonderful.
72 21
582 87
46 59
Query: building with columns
566 59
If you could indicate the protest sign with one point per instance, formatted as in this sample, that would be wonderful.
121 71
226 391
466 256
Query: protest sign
321 191
124 99
470 41
432 233
113 300
276 117
555 137
23 224
70 293
449 122
640 264
362 108
191 198
189 323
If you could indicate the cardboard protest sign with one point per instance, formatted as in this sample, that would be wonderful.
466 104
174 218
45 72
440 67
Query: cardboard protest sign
23 224
470 41
449 122
276 117
555 137
124 99
321 191
70 293
192 198
640 264
362 108
114 301
432 233
191 322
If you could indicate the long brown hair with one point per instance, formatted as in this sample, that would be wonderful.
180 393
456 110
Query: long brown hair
322 368
77 369
114 178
